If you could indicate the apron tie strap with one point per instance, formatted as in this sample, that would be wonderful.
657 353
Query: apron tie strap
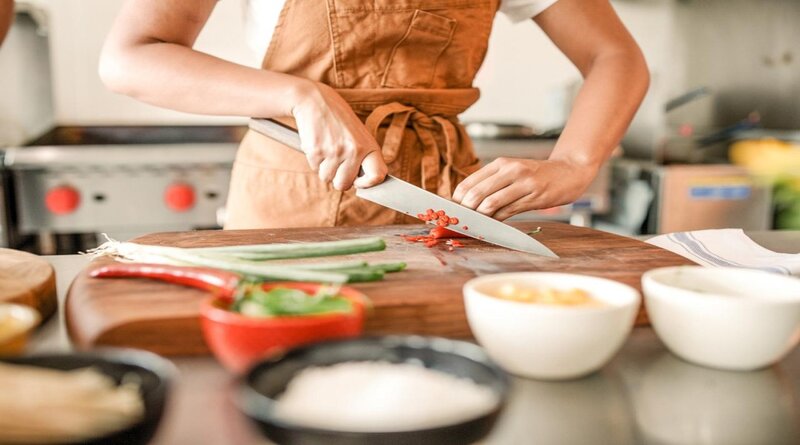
432 154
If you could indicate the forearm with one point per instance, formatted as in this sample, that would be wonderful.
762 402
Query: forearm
177 77
6 17
612 92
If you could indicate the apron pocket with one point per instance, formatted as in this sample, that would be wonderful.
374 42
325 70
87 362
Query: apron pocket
412 63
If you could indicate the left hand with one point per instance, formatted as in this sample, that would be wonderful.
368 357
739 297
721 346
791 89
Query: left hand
508 186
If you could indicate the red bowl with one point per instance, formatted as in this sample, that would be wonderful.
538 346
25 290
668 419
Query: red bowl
239 341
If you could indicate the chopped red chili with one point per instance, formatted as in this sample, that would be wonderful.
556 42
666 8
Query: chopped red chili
442 232
436 235
431 242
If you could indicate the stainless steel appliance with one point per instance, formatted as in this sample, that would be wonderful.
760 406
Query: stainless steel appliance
78 181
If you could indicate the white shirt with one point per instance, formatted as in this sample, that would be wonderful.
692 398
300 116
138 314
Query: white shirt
261 17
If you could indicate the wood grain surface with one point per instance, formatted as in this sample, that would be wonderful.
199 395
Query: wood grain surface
27 279
424 299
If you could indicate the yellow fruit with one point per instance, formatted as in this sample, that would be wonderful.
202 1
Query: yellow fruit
766 156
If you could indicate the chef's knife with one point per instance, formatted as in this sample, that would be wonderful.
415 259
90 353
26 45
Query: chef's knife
403 197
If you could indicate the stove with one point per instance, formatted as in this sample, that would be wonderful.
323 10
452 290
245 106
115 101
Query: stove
74 182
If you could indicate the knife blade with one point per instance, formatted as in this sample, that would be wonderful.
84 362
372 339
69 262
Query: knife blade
407 198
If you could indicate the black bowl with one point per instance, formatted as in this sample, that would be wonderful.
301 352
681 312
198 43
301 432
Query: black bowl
269 378
154 373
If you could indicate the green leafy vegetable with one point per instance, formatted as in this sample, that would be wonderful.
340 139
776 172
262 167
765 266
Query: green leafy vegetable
281 301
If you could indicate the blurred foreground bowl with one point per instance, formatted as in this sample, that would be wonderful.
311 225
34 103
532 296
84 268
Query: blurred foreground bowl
265 382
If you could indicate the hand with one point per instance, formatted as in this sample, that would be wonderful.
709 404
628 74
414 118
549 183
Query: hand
508 186
335 141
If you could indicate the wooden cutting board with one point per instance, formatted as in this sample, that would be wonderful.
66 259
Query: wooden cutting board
424 299
27 279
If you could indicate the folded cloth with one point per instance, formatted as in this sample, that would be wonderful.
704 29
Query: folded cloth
727 248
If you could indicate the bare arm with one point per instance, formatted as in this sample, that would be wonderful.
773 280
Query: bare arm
591 35
6 17
148 55
615 73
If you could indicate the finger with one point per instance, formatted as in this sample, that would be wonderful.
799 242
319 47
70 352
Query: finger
375 170
314 159
473 180
310 147
478 193
502 198
347 172
327 169
515 208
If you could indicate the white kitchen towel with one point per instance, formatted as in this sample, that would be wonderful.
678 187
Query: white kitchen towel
727 248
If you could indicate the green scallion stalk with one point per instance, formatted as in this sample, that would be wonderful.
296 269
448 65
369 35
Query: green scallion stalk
261 252
183 257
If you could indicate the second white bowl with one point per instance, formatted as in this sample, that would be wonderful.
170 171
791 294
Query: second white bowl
728 318
546 341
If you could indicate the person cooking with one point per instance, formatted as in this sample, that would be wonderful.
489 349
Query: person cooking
379 85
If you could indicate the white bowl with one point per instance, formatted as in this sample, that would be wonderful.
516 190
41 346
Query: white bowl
545 341
728 318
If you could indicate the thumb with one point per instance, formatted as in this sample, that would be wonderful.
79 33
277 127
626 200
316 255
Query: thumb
375 170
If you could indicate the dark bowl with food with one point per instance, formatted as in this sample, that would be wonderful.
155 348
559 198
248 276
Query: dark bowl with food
266 382
152 374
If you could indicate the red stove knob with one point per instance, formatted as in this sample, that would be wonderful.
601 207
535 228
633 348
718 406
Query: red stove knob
179 197
62 200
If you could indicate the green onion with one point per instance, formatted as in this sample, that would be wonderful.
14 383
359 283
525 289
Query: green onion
250 260
260 252
330 266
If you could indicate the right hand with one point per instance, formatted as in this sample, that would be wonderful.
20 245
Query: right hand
335 141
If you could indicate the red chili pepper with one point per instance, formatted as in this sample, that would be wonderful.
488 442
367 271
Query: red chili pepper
431 242
442 232
440 213
453 220
430 212
465 227
221 282
421 216
456 243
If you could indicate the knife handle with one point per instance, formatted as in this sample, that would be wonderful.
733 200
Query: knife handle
282 133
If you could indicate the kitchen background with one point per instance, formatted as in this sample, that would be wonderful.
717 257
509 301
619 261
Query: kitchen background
79 160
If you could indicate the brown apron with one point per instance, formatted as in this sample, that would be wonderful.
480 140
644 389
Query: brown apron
406 67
